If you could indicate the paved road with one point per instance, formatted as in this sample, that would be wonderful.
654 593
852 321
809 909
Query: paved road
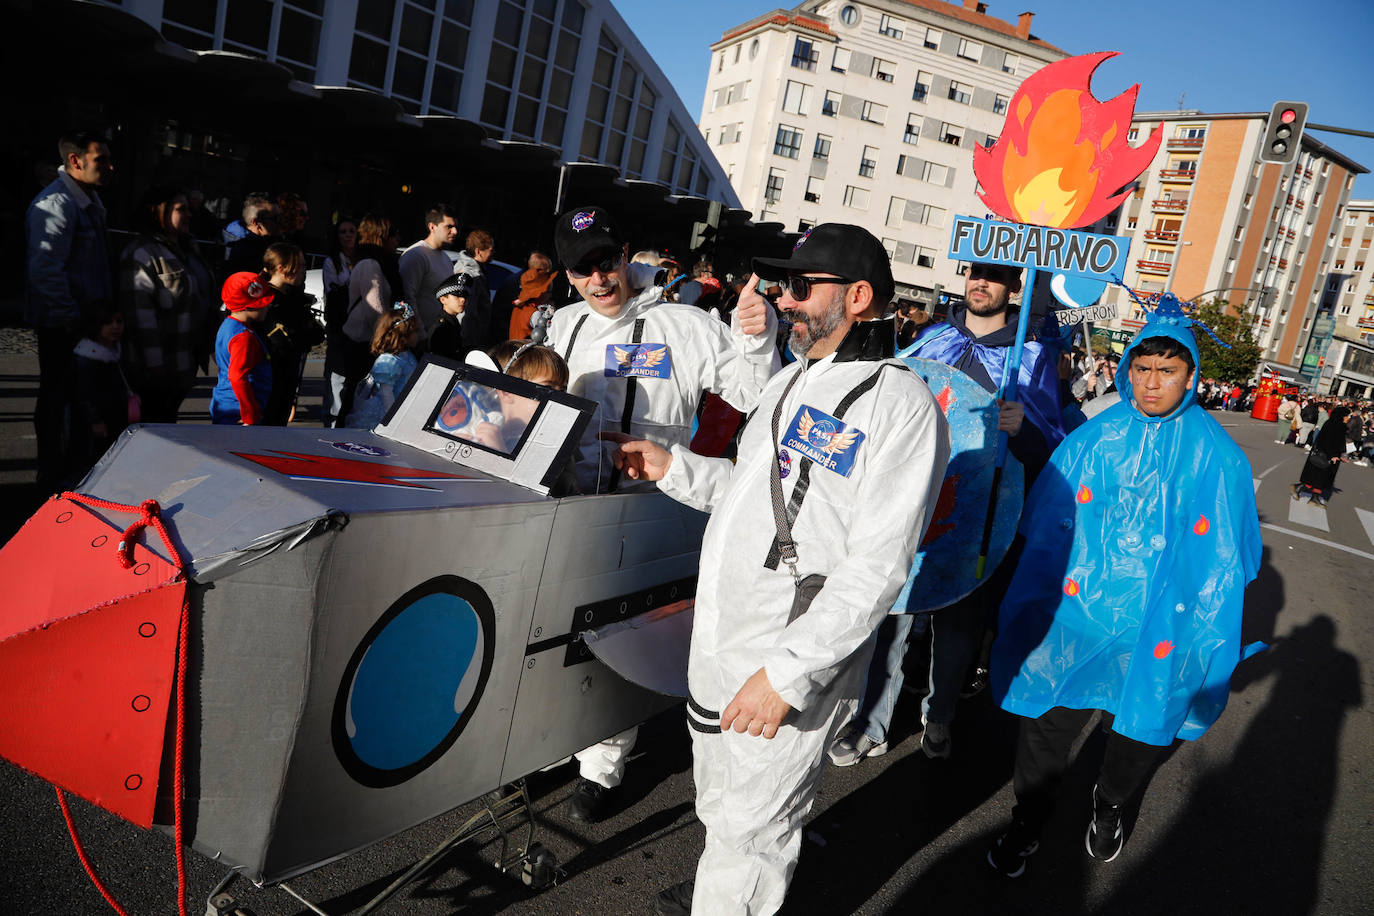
1269 813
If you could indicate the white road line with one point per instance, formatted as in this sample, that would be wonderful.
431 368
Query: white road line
1273 469
1305 512
1317 540
1256 481
1367 519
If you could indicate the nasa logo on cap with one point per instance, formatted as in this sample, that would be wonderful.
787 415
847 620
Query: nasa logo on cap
358 448
582 220
254 289
805 235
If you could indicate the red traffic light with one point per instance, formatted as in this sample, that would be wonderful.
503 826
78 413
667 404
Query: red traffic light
1288 116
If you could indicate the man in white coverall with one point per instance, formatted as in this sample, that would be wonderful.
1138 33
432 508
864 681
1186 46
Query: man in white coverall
861 450
645 363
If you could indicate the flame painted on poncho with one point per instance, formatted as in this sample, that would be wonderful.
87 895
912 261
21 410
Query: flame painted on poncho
1062 159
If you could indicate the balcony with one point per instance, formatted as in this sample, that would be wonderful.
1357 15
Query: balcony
1160 235
1178 174
1175 205
1154 267
1366 322
1185 142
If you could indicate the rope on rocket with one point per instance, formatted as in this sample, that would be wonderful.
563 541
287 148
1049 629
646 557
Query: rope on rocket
149 516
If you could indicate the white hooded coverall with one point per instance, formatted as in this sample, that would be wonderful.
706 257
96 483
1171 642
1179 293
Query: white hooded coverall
703 355
862 532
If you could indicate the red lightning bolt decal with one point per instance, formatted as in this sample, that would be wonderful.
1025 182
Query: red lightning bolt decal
944 508
347 470
945 398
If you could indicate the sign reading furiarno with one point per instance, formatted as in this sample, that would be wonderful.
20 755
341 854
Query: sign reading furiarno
1083 254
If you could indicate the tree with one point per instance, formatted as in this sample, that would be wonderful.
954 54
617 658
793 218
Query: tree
1237 364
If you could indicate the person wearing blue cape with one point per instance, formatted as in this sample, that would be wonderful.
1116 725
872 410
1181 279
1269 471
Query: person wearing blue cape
1140 537
977 339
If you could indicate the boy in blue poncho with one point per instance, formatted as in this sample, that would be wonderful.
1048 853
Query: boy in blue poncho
1140 537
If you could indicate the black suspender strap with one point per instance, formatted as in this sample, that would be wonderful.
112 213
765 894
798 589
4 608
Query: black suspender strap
572 340
775 553
626 415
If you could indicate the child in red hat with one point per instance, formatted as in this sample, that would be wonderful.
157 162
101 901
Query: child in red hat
245 374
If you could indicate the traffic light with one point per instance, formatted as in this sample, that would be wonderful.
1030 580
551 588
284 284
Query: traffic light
1283 132
702 235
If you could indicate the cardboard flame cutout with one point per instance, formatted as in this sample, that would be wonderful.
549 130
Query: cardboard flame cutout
1063 155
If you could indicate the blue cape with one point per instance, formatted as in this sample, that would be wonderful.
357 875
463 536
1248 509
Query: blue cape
1141 536
1037 381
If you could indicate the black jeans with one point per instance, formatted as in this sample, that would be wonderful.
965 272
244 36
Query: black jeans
56 375
1042 755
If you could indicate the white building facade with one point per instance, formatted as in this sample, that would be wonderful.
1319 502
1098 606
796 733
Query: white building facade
867 113
567 74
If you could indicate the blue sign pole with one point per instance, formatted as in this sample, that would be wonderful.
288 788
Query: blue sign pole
1011 372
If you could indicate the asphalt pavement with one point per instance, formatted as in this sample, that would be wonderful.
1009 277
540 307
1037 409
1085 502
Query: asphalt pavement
1269 813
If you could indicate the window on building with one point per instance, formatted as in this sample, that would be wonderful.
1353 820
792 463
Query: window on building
796 98
813 190
922 89
874 113
934 173
830 106
884 70
970 50
933 216
892 27
737 50
932 39
849 15
1190 133
804 55
672 145
960 92
788 142
952 134
1133 134
1334 284
868 162
772 191
896 212
720 64
1131 223
925 257
1248 199
855 197
890 246
990 141
805 225
1000 103
840 62
821 150
913 129
1011 64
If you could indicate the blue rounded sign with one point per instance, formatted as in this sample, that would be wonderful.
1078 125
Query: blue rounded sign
946 564
413 681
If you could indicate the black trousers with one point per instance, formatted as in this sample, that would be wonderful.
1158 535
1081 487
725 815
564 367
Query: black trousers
1042 756
56 376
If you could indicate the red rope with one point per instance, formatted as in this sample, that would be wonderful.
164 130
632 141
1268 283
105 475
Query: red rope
149 516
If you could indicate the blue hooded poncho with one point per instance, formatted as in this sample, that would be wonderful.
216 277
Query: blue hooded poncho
1141 535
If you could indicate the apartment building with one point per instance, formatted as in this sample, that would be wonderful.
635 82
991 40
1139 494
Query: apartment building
1209 219
867 113
1349 293
569 75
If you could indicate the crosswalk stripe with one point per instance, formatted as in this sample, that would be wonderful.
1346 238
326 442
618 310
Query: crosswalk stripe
1256 481
1367 519
1305 512
1316 540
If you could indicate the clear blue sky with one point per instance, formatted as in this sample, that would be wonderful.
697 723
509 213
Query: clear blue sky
1226 55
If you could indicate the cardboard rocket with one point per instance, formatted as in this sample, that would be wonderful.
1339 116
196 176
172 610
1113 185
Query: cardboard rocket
383 625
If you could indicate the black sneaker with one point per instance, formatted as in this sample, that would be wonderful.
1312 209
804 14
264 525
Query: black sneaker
589 801
1008 853
676 900
976 684
1105 835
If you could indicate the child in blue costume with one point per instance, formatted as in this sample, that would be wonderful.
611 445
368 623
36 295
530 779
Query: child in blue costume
245 374
1140 537
393 341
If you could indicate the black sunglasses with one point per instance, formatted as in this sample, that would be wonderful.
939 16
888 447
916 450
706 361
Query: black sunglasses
800 286
607 264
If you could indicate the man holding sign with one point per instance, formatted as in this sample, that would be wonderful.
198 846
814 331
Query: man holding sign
811 536
977 340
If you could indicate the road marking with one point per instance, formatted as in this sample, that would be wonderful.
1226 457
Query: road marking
1317 540
1306 512
1256 482
1273 469
1367 519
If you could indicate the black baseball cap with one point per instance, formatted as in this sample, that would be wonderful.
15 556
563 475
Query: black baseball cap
585 231
847 251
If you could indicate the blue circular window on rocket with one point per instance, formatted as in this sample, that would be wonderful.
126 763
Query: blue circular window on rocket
413 681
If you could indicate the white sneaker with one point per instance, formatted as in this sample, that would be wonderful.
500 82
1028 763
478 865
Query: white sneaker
852 746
